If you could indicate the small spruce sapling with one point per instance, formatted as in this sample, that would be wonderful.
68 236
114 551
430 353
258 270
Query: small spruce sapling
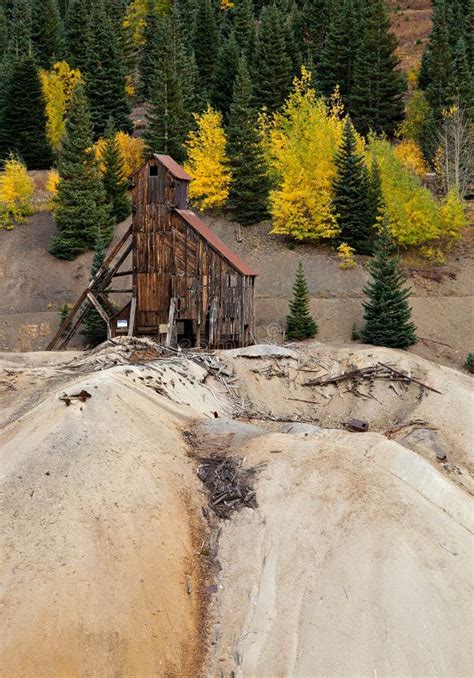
299 323
387 314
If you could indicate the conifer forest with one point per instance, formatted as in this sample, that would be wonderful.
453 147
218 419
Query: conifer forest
236 338
295 112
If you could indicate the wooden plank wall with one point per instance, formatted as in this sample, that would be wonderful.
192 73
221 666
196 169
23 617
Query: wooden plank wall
171 260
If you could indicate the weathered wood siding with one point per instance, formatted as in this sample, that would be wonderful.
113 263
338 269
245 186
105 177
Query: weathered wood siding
172 260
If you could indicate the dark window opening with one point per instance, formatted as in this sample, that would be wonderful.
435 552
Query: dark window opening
153 170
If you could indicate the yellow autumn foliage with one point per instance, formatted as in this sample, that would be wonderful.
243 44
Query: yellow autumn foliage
346 256
16 193
414 215
131 150
411 156
135 15
300 145
207 162
58 85
52 182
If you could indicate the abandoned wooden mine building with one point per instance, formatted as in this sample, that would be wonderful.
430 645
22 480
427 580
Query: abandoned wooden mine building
188 288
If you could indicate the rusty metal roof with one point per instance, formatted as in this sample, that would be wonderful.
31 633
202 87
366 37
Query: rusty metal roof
216 243
171 165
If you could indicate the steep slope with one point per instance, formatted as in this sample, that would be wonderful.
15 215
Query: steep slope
356 560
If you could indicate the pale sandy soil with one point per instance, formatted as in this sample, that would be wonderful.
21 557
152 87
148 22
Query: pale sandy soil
357 561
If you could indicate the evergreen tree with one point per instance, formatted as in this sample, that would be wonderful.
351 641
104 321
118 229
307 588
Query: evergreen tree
23 121
273 67
338 54
250 186
105 74
186 11
3 32
81 207
47 31
20 29
437 62
149 51
376 201
206 43
299 322
225 74
293 35
352 199
94 328
461 84
244 27
77 33
315 21
115 181
387 314
167 117
376 98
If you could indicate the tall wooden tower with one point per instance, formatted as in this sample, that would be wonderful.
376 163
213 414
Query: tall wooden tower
187 286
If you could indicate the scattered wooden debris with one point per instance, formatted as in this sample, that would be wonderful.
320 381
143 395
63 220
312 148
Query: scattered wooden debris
415 423
229 485
82 396
370 373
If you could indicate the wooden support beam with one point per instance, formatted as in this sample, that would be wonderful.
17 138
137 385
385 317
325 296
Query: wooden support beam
122 273
112 291
85 308
131 320
63 327
169 334
100 311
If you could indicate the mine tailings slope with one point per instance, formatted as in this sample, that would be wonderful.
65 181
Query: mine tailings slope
357 559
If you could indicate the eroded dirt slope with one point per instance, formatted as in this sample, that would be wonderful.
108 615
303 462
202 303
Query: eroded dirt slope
356 561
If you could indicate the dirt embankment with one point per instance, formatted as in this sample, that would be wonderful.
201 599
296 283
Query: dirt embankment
104 560
356 561
34 285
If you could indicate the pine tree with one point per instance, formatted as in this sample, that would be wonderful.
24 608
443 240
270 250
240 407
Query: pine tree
166 117
23 121
20 29
293 30
94 328
80 206
206 43
299 322
387 314
3 32
225 74
77 33
105 74
149 52
315 20
273 67
250 186
186 11
461 84
376 98
338 54
47 31
376 201
351 204
115 182
244 27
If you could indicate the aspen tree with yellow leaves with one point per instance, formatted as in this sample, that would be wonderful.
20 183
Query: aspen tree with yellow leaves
301 143
58 85
16 192
207 161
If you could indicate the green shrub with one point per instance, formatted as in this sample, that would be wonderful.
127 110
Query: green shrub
469 364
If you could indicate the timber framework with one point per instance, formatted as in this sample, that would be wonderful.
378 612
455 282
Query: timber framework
185 286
